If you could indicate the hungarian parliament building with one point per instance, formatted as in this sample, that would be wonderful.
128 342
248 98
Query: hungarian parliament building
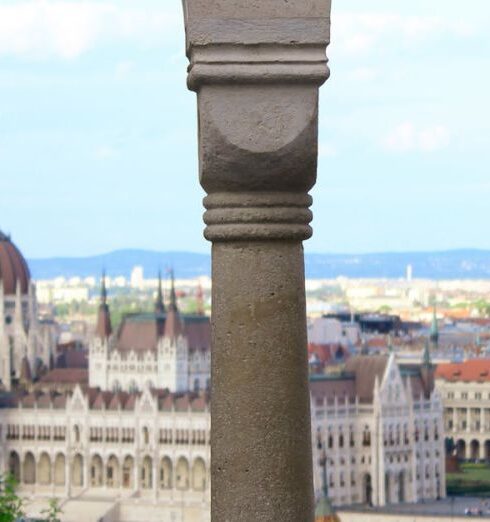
132 440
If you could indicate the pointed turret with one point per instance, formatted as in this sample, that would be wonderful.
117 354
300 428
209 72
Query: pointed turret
173 324
160 309
434 328
104 327
427 371
173 296
159 304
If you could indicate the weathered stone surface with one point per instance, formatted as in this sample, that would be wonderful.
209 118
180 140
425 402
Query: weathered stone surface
260 427
256 67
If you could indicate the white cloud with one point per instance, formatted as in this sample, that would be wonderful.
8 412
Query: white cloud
355 33
46 28
406 137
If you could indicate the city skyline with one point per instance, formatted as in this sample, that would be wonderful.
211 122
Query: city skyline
97 132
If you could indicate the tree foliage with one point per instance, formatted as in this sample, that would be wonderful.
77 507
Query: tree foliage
53 511
10 502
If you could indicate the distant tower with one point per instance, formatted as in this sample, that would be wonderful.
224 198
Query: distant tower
99 347
434 328
104 326
159 304
160 308
173 353
427 371
137 277
409 273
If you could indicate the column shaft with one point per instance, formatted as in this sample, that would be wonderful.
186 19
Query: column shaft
260 433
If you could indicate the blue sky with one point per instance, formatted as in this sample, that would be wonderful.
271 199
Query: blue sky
98 132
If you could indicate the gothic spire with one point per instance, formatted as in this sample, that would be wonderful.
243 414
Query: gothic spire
173 323
173 297
426 359
103 289
159 304
104 328
434 329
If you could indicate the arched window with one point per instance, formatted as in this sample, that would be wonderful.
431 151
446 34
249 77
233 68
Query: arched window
366 437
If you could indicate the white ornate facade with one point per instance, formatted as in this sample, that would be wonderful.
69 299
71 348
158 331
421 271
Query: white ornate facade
152 444
159 350
382 427
26 345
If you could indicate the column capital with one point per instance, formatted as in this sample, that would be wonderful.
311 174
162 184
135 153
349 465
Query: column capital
256 67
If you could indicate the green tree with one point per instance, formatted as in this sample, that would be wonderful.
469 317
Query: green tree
10 502
51 513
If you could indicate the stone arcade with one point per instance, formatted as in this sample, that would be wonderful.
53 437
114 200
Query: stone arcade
111 447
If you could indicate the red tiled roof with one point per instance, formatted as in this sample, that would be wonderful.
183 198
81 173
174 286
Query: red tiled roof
137 335
99 400
330 388
173 325
141 333
377 342
326 352
366 369
73 359
66 376
472 370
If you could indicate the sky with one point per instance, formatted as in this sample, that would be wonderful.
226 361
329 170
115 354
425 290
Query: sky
98 144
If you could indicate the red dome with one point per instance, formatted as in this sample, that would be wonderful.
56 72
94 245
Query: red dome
13 267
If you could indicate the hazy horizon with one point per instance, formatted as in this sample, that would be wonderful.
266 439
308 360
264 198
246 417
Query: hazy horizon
307 252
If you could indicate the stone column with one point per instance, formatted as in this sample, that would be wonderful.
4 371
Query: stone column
256 67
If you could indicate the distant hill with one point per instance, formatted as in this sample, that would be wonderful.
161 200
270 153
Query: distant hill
121 262
453 264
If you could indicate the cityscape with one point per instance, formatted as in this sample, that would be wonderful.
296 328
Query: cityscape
244 264
106 391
